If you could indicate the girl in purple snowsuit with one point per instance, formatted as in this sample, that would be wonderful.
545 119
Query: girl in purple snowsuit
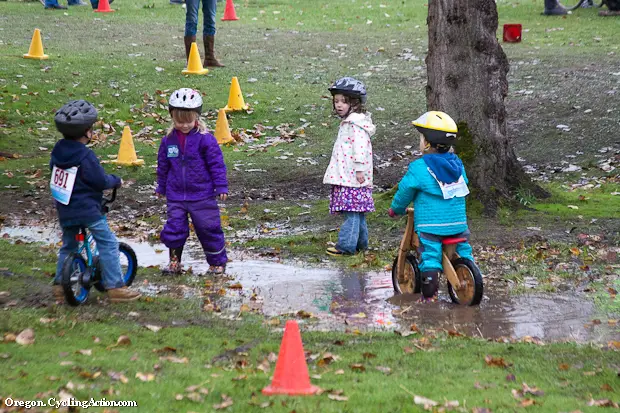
191 174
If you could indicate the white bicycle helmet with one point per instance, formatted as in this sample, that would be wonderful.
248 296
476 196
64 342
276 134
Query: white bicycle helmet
185 99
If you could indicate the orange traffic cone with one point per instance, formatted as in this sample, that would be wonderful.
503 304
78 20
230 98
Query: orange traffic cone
127 152
229 11
36 47
222 130
104 7
291 374
194 64
235 97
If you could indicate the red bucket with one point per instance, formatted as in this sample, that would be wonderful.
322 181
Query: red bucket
512 33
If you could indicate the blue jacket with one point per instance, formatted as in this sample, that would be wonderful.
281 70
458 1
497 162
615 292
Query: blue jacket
90 181
432 213
196 173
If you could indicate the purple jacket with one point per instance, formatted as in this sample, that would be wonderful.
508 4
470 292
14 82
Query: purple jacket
194 174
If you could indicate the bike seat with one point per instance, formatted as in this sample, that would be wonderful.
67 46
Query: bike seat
451 241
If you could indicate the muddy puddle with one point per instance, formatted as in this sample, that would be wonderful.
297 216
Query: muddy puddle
343 298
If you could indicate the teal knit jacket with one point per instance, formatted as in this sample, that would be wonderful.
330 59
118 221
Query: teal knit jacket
432 213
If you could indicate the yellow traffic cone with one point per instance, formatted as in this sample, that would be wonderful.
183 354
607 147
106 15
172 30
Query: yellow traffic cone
222 130
36 47
194 64
127 152
235 98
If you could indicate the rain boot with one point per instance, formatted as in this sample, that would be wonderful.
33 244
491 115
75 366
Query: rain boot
188 44
210 59
430 283
122 295
174 267
554 8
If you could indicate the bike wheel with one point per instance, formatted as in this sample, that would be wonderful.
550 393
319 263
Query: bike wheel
129 266
129 263
571 5
470 278
411 280
73 270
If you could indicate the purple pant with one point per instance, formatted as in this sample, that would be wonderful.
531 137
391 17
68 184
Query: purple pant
205 216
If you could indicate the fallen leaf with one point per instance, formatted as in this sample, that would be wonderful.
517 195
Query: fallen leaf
496 362
606 387
226 402
26 337
358 367
145 376
534 391
385 370
153 328
603 403
87 352
369 356
563 366
427 403
511 377
122 341
166 349
527 402
337 397
174 359
338 372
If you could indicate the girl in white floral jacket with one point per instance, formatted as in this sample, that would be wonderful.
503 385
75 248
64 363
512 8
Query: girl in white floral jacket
350 169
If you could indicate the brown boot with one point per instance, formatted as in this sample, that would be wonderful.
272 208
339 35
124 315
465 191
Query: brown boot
210 59
123 295
59 293
188 44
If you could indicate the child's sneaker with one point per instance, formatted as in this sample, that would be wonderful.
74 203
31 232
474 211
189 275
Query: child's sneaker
123 295
217 270
335 252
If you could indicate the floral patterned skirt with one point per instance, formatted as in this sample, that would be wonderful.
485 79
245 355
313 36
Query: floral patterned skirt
345 198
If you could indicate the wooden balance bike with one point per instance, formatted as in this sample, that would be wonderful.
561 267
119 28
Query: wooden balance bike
463 276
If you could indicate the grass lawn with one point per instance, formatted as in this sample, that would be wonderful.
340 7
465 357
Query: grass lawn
285 54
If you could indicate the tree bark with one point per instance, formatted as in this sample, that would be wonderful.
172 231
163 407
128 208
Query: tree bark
467 70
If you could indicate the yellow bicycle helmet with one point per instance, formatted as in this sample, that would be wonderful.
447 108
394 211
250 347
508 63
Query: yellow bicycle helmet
437 128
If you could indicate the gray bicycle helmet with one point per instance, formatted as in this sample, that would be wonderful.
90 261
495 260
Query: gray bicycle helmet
75 118
349 86
185 99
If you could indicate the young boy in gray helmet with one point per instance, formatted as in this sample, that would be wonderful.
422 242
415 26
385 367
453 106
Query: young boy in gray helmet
77 184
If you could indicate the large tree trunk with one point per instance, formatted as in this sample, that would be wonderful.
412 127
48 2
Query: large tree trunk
467 71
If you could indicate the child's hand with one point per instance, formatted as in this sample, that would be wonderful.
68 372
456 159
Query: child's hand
223 197
359 175
158 195
391 213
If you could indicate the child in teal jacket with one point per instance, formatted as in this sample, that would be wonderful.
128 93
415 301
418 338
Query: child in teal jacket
437 185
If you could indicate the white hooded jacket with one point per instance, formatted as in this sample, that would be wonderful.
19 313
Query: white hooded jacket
352 152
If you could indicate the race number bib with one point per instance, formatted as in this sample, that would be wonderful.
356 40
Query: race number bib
455 189
62 182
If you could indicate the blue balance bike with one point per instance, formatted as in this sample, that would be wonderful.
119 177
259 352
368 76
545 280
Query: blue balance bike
82 268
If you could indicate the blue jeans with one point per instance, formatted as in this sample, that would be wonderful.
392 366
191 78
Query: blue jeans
431 250
353 233
191 17
107 244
